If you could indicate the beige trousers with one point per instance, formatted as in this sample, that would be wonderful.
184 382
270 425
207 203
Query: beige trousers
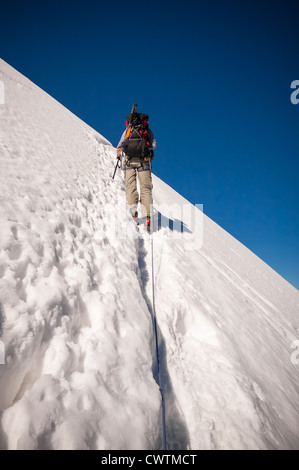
145 183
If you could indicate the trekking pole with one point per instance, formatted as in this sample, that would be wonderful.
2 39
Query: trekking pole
118 165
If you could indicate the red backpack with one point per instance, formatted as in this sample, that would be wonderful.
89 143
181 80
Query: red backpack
137 144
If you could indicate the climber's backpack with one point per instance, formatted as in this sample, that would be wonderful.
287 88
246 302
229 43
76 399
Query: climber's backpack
137 144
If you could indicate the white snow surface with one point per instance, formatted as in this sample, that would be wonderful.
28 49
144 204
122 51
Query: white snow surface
80 368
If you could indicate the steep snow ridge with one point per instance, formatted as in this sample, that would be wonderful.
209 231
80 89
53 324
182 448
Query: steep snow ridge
228 321
76 328
75 306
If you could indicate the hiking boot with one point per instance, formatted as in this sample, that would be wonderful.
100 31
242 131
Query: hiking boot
135 217
148 224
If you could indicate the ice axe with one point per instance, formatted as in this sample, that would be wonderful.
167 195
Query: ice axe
118 165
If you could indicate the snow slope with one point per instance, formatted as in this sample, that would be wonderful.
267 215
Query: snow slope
80 368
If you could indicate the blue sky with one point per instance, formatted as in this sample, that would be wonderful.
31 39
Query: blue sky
215 78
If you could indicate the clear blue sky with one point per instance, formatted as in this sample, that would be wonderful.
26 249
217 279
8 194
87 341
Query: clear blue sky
215 78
